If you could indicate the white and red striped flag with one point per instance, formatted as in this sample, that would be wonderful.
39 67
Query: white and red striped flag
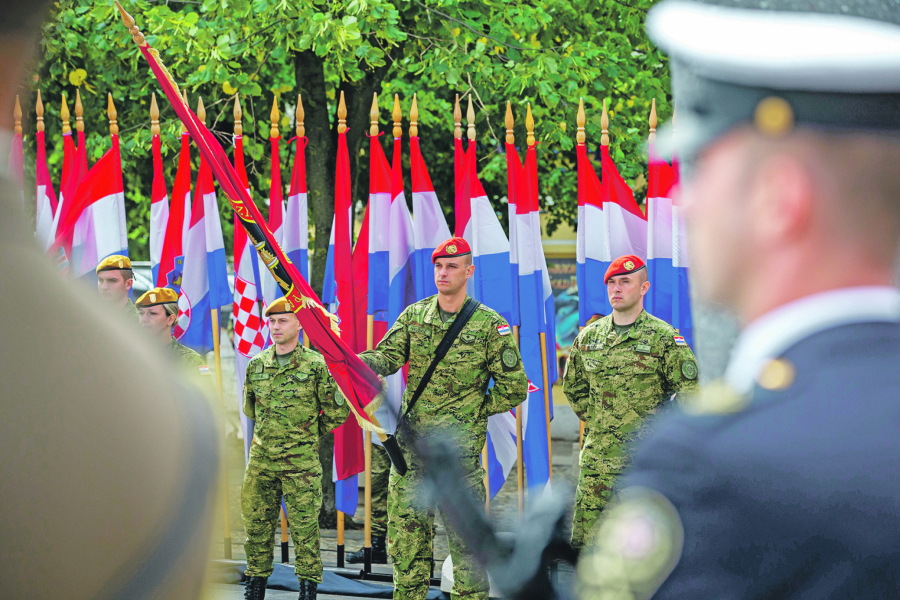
159 197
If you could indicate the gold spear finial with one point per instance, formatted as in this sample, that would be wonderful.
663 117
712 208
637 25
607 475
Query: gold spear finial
274 116
17 115
64 113
184 95
39 112
529 126
398 116
201 111
604 126
414 118
457 120
238 128
154 115
111 113
579 120
652 136
342 115
373 116
510 137
79 111
470 119
299 114
128 22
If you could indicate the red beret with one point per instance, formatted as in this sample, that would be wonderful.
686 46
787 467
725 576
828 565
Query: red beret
455 246
623 266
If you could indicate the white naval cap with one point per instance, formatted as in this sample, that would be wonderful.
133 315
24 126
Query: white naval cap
776 64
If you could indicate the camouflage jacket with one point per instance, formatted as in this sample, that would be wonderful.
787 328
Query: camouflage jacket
131 311
293 406
457 399
613 382
194 366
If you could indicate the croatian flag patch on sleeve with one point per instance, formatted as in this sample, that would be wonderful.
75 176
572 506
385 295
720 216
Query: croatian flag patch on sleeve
503 329
679 341
204 370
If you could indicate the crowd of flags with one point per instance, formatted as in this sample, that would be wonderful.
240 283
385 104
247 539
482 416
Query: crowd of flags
369 284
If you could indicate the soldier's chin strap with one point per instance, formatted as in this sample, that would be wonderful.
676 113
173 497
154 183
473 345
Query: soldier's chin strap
520 567
390 444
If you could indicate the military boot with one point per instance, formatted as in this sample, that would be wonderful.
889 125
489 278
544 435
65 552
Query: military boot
379 552
256 588
308 590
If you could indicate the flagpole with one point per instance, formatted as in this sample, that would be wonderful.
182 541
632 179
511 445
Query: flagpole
342 128
520 472
79 112
580 139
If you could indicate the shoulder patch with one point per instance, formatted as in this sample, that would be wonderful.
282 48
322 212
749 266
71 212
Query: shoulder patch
503 329
509 358
689 369
204 369
679 340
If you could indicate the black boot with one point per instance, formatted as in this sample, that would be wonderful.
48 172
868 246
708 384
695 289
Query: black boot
379 552
308 590
256 588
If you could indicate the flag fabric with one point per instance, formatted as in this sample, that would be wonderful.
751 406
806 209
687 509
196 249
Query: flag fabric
490 247
592 255
159 209
626 224
358 383
502 451
270 289
661 273
537 310
379 230
71 177
348 439
296 225
171 262
459 167
204 284
682 318
69 151
249 338
45 198
513 174
429 224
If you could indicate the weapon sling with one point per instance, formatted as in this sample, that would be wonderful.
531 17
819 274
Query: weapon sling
390 444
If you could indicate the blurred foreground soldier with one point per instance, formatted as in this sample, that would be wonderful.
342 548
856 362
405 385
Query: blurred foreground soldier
381 472
114 280
781 480
456 401
158 309
621 368
294 401
108 457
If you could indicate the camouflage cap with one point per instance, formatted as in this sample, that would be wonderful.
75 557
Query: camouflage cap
115 262
158 295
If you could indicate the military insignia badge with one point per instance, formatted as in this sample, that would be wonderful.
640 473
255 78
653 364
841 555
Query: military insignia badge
339 398
509 358
679 341
121 264
204 370
503 329
153 298
301 377
467 338
451 249
288 306
689 369
642 348
591 364
628 265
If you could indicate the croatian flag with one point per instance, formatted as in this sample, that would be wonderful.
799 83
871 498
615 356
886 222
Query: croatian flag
379 230
159 209
459 167
658 300
430 225
295 236
513 174
480 227
74 170
682 318
171 262
45 198
249 331
537 310
271 290
626 223
204 285
592 254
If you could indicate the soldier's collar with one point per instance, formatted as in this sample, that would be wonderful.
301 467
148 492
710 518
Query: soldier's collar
433 315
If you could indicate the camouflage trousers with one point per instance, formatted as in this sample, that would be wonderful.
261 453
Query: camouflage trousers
410 542
260 503
381 473
594 491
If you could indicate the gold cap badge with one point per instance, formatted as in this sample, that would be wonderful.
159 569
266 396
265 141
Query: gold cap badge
153 298
773 116
451 249
629 265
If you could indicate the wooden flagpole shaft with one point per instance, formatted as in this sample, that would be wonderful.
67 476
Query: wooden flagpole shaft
546 399
218 363
520 472
285 558
367 453
487 480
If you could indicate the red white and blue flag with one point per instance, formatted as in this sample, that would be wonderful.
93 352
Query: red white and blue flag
592 254
513 175
171 262
204 284
295 236
682 318
270 288
430 224
45 198
626 223
159 209
658 300
379 230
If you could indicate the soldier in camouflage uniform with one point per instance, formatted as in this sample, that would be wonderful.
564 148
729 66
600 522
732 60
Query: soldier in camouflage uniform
381 471
294 401
621 368
114 280
456 401
157 312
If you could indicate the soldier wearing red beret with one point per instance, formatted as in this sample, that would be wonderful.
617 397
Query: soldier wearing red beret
621 368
